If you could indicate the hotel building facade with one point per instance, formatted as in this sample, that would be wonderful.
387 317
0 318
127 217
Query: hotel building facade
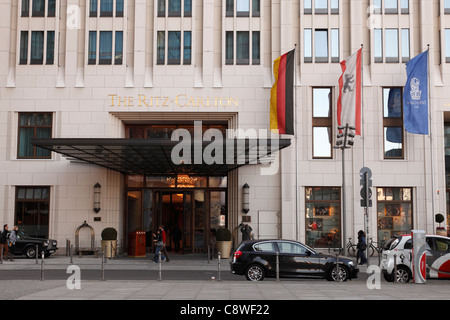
92 93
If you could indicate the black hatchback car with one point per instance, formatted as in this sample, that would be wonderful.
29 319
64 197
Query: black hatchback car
26 245
256 259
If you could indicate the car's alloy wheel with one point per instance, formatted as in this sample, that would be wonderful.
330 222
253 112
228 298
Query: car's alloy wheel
341 275
254 273
403 275
30 252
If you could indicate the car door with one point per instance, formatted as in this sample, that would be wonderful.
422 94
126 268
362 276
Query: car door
438 261
265 253
296 259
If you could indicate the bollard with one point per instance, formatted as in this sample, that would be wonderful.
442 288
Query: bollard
278 266
42 266
338 273
219 256
1 255
395 268
209 249
102 277
159 266
71 254
37 254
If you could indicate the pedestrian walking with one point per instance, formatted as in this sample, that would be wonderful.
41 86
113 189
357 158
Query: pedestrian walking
246 232
159 245
361 246
164 248
12 243
3 239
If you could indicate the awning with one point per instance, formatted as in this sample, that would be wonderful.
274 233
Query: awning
163 156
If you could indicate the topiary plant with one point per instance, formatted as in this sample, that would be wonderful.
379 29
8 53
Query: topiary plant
223 234
109 234
439 218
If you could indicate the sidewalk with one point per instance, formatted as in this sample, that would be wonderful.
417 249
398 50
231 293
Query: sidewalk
239 289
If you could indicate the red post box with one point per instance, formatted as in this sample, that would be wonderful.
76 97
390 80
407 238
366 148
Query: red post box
136 244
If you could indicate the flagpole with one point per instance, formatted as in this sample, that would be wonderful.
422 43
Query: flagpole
431 137
296 145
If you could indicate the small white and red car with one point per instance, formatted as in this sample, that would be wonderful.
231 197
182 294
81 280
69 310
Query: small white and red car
437 257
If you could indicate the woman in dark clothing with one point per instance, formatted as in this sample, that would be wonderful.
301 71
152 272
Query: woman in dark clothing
362 246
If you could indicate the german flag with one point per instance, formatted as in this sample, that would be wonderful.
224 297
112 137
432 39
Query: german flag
282 95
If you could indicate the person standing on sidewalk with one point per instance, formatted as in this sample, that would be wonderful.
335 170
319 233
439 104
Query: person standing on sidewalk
159 245
362 246
164 250
3 238
12 243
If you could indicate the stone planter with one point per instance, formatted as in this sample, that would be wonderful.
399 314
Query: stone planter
109 247
224 247
441 232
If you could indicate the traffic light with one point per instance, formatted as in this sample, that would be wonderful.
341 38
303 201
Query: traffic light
366 187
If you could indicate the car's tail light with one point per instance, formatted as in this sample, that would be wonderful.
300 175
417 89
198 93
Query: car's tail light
237 255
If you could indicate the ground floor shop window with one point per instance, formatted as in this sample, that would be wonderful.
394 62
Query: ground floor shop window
394 207
323 216
32 210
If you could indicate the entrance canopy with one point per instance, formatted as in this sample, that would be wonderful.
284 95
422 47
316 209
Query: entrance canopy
163 156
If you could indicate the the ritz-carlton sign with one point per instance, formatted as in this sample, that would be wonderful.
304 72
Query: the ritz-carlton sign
181 100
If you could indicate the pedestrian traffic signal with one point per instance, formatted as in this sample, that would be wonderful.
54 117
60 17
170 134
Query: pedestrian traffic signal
366 187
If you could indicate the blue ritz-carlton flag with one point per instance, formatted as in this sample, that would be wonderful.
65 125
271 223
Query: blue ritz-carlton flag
415 95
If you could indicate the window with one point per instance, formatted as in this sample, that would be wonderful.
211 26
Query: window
322 123
37 47
323 216
174 9
229 8
265 246
334 43
378 45
393 123
321 6
173 47
229 50
187 54
242 47
33 125
105 47
32 210
405 45
307 45
390 6
377 6
255 47
447 45
394 212
38 8
446 6
321 45
160 50
23 47
404 6
291 247
307 6
106 8
25 8
242 8
391 38
256 8
50 47
334 6
442 245
51 8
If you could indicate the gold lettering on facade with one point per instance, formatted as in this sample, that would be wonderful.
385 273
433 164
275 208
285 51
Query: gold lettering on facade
181 100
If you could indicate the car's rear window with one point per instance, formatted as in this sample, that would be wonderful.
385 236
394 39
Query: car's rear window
264 246
392 243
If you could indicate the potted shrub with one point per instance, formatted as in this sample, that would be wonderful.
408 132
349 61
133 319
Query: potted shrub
109 242
223 240
439 218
